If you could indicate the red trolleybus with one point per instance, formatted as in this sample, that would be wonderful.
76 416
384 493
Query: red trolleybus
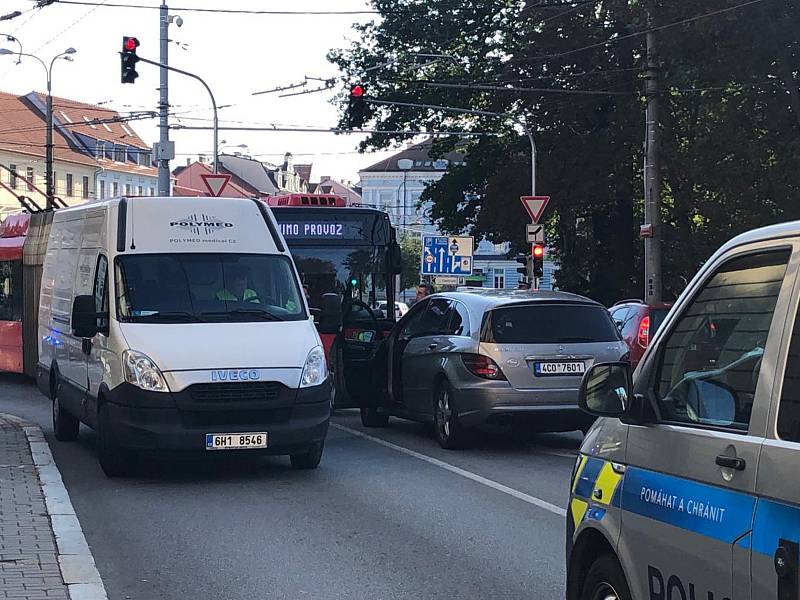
12 238
347 258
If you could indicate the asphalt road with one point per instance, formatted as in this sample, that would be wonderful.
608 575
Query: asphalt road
388 516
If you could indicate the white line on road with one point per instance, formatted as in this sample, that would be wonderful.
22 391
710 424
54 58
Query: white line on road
459 471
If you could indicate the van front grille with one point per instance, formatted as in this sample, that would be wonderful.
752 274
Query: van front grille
225 393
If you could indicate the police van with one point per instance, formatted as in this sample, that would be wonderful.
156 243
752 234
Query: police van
688 488
179 325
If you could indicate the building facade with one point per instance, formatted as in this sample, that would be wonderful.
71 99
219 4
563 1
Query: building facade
96 152
395 186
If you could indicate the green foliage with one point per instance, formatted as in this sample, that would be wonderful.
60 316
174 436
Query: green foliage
411 252
730 115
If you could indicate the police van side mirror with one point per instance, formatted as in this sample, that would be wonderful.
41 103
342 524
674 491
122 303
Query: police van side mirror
84 317
606 390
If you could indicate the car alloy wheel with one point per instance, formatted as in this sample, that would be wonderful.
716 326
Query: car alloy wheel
444 414
449 431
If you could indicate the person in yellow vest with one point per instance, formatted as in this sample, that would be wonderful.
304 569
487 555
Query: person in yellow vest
236 289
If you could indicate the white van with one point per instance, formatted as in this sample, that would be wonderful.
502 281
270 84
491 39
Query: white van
179 325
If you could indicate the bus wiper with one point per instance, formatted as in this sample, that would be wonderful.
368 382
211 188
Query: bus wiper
255 312
174 314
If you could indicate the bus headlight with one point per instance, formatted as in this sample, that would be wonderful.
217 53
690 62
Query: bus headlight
315 371
142 372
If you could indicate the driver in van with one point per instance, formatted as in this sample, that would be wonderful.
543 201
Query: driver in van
236 289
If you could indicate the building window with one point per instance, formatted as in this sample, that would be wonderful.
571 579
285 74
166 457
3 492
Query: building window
13 179
102 190
70 186
144 159
115 188
152 191
101 149
85 191
127 189
119 153
29 174
141 191
499 279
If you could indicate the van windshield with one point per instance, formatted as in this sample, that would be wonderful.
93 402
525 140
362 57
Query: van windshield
194 288
558 323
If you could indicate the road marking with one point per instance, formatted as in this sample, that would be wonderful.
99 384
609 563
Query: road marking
557 510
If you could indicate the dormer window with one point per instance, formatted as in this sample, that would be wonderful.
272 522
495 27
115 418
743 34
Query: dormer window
101 149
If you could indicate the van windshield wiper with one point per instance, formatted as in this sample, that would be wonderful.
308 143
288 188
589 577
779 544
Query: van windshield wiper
173 314
248 312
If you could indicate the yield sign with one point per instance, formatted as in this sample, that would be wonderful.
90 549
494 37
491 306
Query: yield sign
215 182
535 206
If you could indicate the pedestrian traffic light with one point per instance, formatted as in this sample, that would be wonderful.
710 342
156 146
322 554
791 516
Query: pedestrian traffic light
538 260
129 59
357 106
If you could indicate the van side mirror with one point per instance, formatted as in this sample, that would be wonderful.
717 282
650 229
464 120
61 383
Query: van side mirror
84 317
606 390
395 259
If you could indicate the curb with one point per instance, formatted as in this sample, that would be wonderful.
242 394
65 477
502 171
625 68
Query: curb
75 559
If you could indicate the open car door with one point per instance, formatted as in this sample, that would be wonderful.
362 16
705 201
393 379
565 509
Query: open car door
361 370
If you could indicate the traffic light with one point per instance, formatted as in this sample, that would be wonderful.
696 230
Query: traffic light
523 271
357 106
129 59
538 260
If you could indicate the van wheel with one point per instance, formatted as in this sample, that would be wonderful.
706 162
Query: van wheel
114 461
308 460
370 417
605 581
450 434
65 426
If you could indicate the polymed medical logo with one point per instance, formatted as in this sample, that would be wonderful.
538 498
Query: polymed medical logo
201 224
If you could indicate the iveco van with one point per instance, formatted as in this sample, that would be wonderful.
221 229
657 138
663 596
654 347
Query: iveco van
179 325
687 489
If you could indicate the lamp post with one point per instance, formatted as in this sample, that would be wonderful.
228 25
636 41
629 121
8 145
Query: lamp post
66 55
11 38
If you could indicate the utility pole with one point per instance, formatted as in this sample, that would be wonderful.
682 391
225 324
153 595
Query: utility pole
652 176
165 151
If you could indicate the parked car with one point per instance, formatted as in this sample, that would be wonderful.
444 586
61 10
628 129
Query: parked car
638 323
466 359
400 308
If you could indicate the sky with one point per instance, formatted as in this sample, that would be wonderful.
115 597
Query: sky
235 54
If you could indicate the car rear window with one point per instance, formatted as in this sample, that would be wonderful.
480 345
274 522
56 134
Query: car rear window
549 324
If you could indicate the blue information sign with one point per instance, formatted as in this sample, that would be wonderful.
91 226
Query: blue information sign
443 255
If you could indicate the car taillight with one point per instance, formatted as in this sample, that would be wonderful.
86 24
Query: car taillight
644 332
482 366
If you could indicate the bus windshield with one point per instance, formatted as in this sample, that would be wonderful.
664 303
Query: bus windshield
181 288
337 269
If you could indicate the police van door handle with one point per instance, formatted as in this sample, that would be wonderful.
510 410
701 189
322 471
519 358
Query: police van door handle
731 462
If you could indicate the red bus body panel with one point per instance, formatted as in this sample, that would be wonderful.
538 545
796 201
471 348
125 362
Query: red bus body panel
11 346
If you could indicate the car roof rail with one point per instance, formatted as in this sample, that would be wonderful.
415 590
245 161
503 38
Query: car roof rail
629 301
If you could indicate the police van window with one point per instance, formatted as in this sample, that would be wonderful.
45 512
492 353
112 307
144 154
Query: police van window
789 412
710 361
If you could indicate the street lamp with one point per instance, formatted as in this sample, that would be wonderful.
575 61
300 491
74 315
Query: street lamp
66 55
11 38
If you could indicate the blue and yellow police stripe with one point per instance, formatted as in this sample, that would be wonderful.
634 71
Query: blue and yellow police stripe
596 483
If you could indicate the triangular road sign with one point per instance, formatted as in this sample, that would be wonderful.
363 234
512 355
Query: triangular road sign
215 182
535 206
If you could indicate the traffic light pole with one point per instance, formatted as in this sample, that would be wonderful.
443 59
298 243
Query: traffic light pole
163 104
213 106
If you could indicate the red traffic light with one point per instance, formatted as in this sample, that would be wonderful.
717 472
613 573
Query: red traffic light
357 91
538 251
130 44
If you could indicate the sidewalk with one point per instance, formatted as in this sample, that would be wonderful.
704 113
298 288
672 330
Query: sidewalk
43 553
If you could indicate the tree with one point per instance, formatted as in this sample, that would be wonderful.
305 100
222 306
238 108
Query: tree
411 253
730 121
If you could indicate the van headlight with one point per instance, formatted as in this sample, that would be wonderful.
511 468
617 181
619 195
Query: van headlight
315 371
141 371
